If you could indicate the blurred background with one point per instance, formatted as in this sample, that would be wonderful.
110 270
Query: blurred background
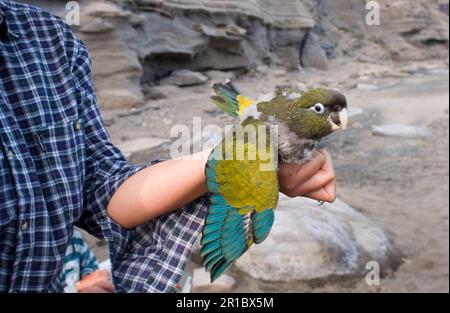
153 62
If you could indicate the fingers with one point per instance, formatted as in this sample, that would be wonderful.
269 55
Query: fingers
106 285
99 279
292 175
322 185
310 168
103 286
327 194
318 181
315 179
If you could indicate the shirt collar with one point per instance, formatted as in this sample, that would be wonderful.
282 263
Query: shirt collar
7 7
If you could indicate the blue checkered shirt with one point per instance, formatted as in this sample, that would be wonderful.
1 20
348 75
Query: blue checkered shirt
58 168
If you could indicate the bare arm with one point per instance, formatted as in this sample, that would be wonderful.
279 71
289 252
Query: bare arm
157 190
166 186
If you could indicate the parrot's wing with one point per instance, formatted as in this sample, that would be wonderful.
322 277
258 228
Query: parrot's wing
229 99
244 194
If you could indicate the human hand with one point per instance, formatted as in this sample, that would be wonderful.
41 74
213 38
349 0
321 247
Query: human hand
96 282
315 179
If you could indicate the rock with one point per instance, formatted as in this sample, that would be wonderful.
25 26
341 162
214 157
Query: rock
97 26
163 38
215 35
201 282
143 41
119 98
161 92
367 87
312 54
220 76
309 241
278 72
218 59
133 146
290 14
137 20
401 131
444 6
105 9
290 57
116 68
184 78
262 69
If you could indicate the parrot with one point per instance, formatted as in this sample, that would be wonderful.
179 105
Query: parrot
243 197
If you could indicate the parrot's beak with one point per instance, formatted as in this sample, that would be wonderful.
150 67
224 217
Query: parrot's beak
338 120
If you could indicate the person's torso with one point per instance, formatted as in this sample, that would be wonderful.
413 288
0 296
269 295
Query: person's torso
42 152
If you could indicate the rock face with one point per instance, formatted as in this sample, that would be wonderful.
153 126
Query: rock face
117 71
140 42
312 54
219 35
309 241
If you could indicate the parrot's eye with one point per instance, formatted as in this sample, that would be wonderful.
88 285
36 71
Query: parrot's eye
318 108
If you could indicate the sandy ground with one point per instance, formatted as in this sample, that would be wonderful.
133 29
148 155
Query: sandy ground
403 184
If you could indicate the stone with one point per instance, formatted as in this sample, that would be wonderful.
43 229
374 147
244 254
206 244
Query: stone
105 9
161 92
116 68
401 131
184 78
291 14
218 59
311 241
201 282
97 26
116 99
278 72
312 54
137 20
220 76
164 38
142 41
140 144
367 87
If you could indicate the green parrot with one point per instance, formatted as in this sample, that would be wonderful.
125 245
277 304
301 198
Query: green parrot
242 176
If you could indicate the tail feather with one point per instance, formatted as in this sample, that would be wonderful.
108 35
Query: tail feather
226 97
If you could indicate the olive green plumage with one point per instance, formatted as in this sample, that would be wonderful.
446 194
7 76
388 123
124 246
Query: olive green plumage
297 114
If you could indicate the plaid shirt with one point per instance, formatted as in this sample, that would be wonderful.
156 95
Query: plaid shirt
58 168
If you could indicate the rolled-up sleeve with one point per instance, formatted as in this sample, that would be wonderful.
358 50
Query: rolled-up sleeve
151 257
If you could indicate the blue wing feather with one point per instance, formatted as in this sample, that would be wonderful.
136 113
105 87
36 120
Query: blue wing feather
227 234
262 224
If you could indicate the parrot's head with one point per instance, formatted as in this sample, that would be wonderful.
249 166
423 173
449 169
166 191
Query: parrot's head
316 113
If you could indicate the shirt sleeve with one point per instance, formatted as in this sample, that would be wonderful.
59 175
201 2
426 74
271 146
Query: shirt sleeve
151 257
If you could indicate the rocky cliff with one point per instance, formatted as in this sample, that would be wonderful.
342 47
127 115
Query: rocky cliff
139 42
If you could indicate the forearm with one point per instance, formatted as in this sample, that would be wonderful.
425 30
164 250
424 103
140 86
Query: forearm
157 190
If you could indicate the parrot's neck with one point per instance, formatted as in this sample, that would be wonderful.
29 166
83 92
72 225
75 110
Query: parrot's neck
291 148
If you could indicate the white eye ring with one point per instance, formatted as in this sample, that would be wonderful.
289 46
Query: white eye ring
319 108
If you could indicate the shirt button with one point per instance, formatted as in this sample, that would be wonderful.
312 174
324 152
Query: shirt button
77 126
10 154
24 225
